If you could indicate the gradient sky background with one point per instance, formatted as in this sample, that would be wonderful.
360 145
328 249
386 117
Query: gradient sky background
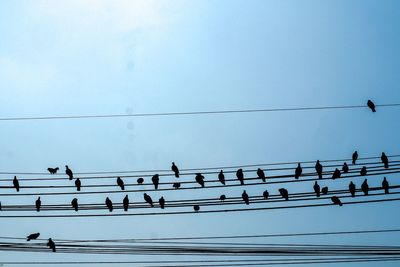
101 57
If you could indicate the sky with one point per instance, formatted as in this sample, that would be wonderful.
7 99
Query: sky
123 57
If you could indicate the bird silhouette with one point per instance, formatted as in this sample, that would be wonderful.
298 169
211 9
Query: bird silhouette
155 179
74 204
222 198
32 236
109 204
175 169
78 184
176 185
317 189
385 185
324 190
345 168
371 105
16 183
121 183
200 179
261 174
365 187
140 180
196 208
354 157
68 171
266 194
363 171
385 160
336 201
298 171
284 193
38 203
318 169
336 174
221 177
245 197
240 176
51 245
125 203
53 170
148 199
352 189
162 202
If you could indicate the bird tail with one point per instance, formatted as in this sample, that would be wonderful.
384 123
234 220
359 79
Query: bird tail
28 239
125 208
177 175
340 204
123 187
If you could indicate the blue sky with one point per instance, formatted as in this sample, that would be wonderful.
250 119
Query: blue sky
101 57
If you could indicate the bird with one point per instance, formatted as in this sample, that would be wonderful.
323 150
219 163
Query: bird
68 171
365 187
336 174
78 184
196 208
352 189
318 169
222 198
32 236
324 190
120 183
266 194
155 179
298 171
16 183
354 157
175 169
363 171
200 179
385 160
74 204
336 201
109 204
317 189
221 177
176 185
261 174
125 203
385 185
371 105
345 168
51 245
245 197
148 199
162 202
53 170
284 193
38 203
140 180
240 176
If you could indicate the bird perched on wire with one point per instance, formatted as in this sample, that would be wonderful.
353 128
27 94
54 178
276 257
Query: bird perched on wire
53 170
200 179
354 157
324 190
365 187
196 208
68 172
221 177
148 199
51 245
385 160
245 197
222 198
345 168
109 204
78 184
363 171
336 201
74 204
352 189
318 169
298 171
32 236
120 183
385 185
155 179
125 203
175 169
161 201
284 193
140 180
240 176
38 204
336 174
261 174
371 105
266 194
317 189
16 183
176 185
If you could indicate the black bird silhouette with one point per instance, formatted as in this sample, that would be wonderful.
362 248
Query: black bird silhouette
324 190
68 171
352 189
38 203
261 174
148 199
385 185
354 157
245 197
317 189
16 183
318 169
240 176
109 204
121 183
155 179
125 203
51 245
345 168
0 205
222 198
53 170
336 174
284 193
336 201
200 179
140 180
176 185
74 204
221 177
385 160
196 208
162 202
363 171
266 194
371 105
365 187
78 184
175 169
32 236
298 171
